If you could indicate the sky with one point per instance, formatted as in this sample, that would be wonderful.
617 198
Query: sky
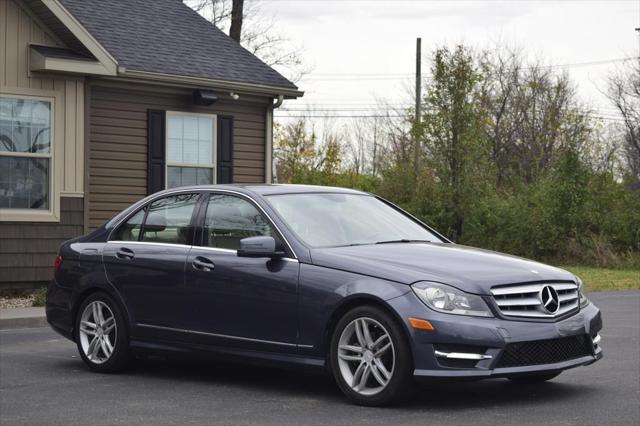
362 51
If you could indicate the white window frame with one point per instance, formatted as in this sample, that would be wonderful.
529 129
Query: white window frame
51 214
214 135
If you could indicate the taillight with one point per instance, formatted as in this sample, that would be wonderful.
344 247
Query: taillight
57 263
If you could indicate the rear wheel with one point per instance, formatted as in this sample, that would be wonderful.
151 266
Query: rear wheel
533 378
101 334
370 357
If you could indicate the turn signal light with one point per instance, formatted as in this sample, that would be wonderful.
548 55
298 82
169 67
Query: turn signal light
420 324
57 263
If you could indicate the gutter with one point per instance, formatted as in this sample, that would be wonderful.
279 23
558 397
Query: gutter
232 86
269 171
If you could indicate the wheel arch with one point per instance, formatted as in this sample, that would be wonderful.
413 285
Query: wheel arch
355 301
87 292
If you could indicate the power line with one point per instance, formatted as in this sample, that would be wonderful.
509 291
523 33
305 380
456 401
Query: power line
333 114
394 75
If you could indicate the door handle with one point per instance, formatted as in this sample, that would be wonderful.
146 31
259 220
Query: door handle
202 264
125 253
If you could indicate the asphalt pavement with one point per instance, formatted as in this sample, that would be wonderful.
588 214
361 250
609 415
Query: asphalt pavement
43 381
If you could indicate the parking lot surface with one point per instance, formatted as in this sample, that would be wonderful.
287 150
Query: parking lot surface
43 381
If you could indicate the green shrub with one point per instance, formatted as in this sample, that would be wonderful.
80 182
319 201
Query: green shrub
40 297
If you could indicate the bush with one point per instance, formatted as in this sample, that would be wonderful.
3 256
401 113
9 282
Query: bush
40 297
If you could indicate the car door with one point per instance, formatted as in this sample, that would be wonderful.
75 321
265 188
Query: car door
145 260
239 301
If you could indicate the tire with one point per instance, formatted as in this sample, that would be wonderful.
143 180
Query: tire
370 374
110 353
531 379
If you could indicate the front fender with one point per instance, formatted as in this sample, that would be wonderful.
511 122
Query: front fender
325 291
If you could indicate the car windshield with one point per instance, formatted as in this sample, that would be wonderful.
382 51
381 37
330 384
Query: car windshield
331 220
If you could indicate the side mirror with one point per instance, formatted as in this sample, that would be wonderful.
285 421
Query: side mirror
259 247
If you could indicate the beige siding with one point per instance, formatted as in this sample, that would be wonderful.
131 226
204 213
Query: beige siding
118 141
18 29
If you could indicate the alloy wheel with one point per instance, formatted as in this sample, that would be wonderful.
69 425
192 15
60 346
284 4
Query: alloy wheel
366 356
98 332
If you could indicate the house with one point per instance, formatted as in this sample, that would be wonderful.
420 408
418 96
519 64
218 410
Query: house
105 101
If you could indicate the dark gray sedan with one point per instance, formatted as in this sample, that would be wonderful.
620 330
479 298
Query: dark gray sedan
319 278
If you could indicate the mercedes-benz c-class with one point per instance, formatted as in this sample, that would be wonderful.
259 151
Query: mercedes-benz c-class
316 277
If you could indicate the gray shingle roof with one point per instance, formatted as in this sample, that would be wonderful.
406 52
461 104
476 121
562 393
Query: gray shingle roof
167 36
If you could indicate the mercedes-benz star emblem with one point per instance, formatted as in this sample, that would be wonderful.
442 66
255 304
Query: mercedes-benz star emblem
550 299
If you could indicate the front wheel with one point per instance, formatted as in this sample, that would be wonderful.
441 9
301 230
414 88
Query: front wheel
101 334
370 357
533 378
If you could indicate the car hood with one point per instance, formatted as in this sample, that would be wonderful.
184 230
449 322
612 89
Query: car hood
470 269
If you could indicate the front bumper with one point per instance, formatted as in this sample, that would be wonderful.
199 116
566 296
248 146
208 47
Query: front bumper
483 342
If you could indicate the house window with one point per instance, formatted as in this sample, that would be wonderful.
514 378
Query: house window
25 153
191 149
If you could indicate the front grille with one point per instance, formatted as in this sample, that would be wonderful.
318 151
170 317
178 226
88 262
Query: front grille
526 300
544 351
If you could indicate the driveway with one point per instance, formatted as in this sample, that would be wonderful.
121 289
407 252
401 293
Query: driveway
43 381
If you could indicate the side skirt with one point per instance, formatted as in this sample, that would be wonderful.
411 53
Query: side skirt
227 354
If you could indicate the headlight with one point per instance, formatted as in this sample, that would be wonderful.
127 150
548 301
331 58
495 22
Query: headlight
581 293
443 298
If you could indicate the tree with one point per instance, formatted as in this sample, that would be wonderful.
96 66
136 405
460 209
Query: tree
531 113
247 23
451 132
294 151
235 30
624 93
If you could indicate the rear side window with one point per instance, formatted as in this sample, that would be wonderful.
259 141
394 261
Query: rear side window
230 219
169 219
130 230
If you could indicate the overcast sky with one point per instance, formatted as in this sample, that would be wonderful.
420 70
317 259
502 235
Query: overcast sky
363 50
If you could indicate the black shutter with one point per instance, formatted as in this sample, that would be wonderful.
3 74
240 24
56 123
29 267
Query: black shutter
225 149
156 167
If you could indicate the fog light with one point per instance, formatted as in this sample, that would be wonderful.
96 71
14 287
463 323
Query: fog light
596 341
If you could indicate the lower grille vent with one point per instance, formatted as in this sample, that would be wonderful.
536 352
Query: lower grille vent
544 351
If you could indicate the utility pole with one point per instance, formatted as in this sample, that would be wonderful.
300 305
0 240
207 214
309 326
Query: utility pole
638 31
416 141
375 145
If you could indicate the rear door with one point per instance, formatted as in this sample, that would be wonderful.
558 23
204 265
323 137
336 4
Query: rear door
239 301
145 260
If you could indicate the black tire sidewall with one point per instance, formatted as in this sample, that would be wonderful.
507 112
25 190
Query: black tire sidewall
401 382
121 353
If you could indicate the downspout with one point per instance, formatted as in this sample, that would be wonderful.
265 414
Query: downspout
269 171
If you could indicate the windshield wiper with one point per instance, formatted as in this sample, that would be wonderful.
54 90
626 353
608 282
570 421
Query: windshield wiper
403 240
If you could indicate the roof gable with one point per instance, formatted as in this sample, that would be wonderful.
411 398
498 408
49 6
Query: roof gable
168 37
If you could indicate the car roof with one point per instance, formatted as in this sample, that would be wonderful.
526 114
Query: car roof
275 189
247 189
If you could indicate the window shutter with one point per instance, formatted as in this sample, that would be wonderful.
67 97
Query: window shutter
225 149
156 134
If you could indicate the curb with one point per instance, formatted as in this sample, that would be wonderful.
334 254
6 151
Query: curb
32 322
22 318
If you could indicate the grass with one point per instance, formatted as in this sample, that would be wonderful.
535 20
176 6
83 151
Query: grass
603 279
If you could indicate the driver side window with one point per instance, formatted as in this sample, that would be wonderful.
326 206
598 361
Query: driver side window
230 219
